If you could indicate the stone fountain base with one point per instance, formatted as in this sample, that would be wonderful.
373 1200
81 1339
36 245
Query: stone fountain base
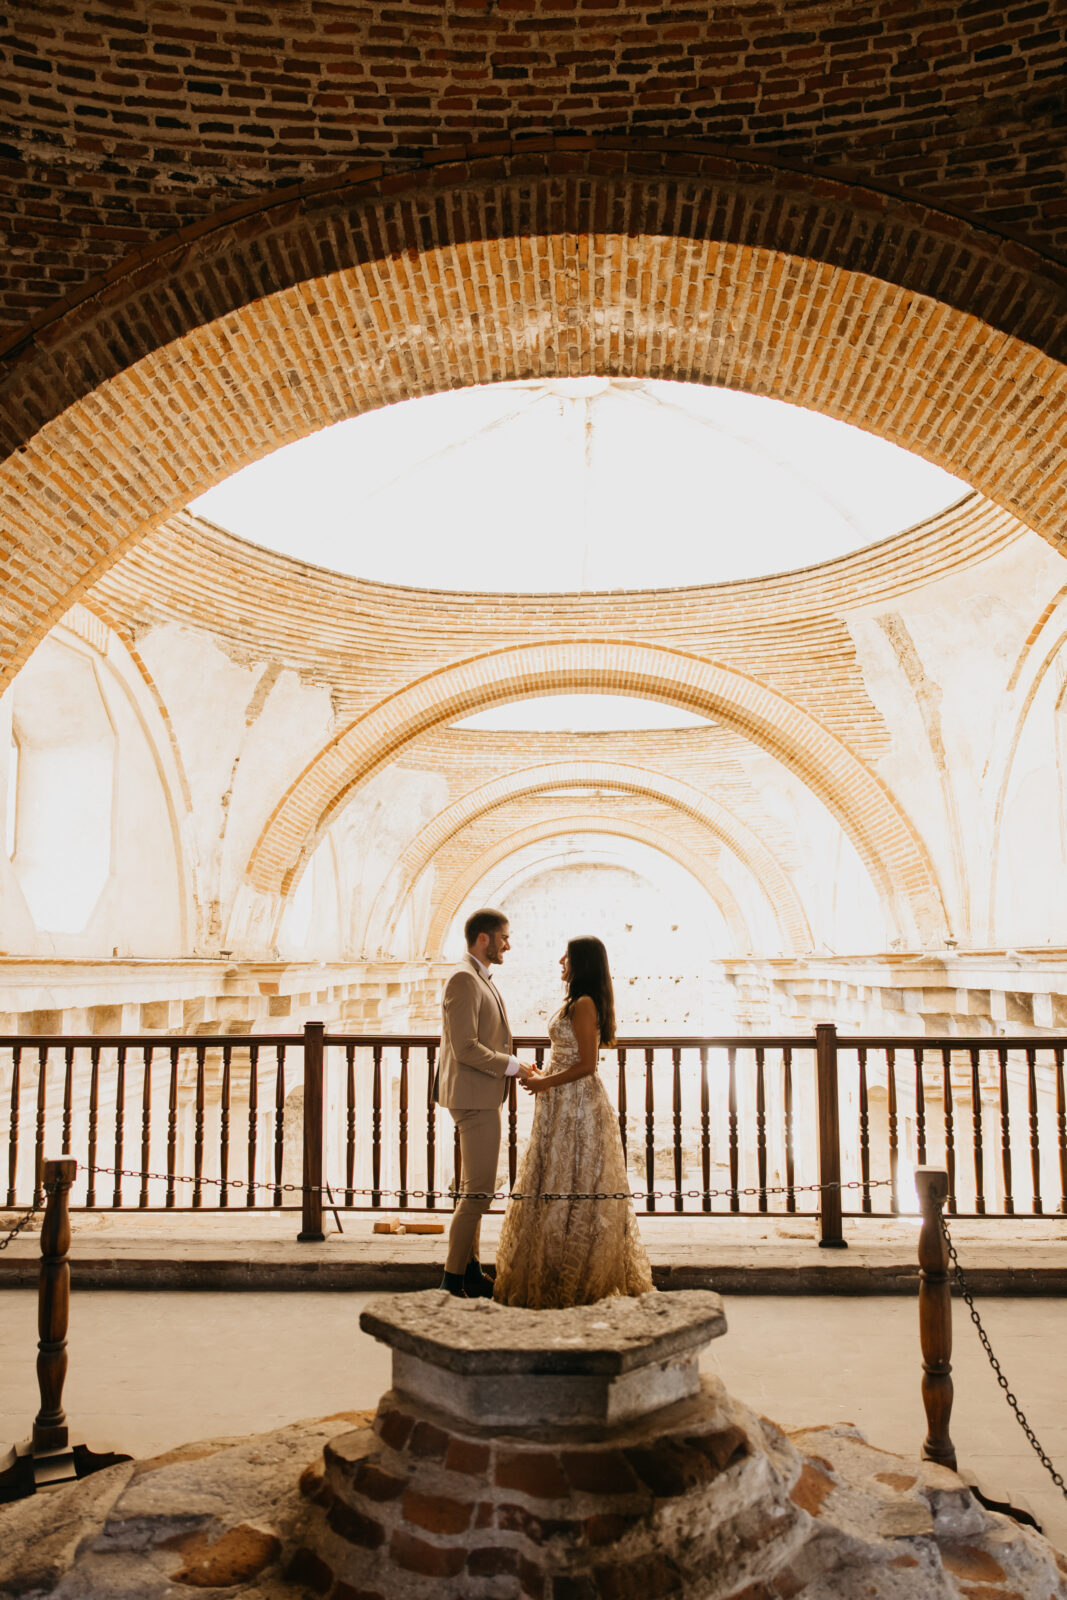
693 1496
597 1496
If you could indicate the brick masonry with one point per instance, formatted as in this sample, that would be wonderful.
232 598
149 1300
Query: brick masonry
210 348
118 128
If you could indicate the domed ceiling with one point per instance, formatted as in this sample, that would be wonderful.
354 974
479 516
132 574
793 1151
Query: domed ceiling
579 484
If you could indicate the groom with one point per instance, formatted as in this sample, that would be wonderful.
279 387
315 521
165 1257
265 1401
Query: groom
475 1063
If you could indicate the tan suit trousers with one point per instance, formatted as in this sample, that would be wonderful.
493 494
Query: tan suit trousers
479 1145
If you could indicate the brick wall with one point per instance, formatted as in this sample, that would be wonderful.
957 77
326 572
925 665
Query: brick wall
120 125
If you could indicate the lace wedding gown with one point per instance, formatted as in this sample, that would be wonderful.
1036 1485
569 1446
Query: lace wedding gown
570 1252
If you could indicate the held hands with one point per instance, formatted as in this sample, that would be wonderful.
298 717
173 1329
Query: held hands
531 1079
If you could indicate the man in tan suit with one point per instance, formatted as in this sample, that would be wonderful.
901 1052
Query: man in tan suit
475 1063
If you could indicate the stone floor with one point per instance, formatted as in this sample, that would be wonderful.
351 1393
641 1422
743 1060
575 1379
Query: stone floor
151 1370
738 1255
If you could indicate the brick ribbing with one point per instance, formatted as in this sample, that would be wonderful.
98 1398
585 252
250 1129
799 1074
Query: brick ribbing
887 844
623 782
521 277
460 877
371 640
117 128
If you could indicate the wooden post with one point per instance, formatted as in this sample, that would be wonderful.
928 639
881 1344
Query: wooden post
47 1458
831 1236
314 1057
53 1307
935 1317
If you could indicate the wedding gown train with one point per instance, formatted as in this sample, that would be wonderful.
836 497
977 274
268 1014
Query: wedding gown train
557 1253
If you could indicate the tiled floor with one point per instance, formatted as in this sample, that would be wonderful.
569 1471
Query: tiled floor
148 1371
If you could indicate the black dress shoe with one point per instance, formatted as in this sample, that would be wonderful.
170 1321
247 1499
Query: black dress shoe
453 1282
476 1286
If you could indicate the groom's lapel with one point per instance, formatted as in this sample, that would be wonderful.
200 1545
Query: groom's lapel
493 990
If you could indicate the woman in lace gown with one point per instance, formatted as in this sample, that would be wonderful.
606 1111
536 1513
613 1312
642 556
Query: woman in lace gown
571 1252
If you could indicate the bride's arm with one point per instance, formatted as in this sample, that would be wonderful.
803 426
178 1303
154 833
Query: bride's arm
583 1020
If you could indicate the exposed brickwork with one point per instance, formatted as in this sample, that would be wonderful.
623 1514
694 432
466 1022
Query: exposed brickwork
119 127
563 1518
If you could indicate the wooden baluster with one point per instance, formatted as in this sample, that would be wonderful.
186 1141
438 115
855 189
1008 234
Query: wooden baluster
1005 1133
894 1139
48 1459
431 1127
94 1116
513 1132
705 1130
68 1094
920 1108
950 1126
146 1125
650 1128
120 1123
976 1129
457 1169
279 1121
621 1056
403 1119
935 1318
790 1153
13 1123
676 1108
829 1130
313 1169
350 1123
42 1106
1035 1147
376 1130
53 1307
224 1128
172 1126
761 1127
1061 1128
253 1115
731 1066
198 1131
865 1131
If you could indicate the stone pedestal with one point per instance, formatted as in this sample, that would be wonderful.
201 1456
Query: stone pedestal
533 1453
579 1455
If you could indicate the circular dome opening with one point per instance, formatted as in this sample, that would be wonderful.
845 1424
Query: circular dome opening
579 484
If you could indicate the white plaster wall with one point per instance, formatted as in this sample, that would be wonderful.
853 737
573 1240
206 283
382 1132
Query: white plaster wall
245 730
953 712
135 896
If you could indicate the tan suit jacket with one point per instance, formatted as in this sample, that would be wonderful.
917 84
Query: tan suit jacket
475 1041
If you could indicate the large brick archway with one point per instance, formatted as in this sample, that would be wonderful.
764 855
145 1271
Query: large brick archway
887 844
478 870
622 780
232 339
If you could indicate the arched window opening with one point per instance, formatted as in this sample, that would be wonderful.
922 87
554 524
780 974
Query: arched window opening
64 789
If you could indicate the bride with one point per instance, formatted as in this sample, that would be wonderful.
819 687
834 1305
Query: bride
571 1252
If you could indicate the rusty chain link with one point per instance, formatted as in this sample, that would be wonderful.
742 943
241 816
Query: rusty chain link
499 1194
27 1216
968 1299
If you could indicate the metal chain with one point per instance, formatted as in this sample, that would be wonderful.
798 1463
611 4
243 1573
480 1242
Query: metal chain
499 1194
27 1217
968 1299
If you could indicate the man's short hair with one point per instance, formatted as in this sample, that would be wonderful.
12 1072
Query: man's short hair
486 921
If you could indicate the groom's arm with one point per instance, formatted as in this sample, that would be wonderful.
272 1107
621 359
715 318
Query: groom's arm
461 1020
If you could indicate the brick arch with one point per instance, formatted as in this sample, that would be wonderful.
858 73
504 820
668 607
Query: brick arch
331 299
888 846
464 884
620 779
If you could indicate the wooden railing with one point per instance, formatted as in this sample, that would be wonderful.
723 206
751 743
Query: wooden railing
804 1124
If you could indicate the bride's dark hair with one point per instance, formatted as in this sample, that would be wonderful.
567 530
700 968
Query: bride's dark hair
591 975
